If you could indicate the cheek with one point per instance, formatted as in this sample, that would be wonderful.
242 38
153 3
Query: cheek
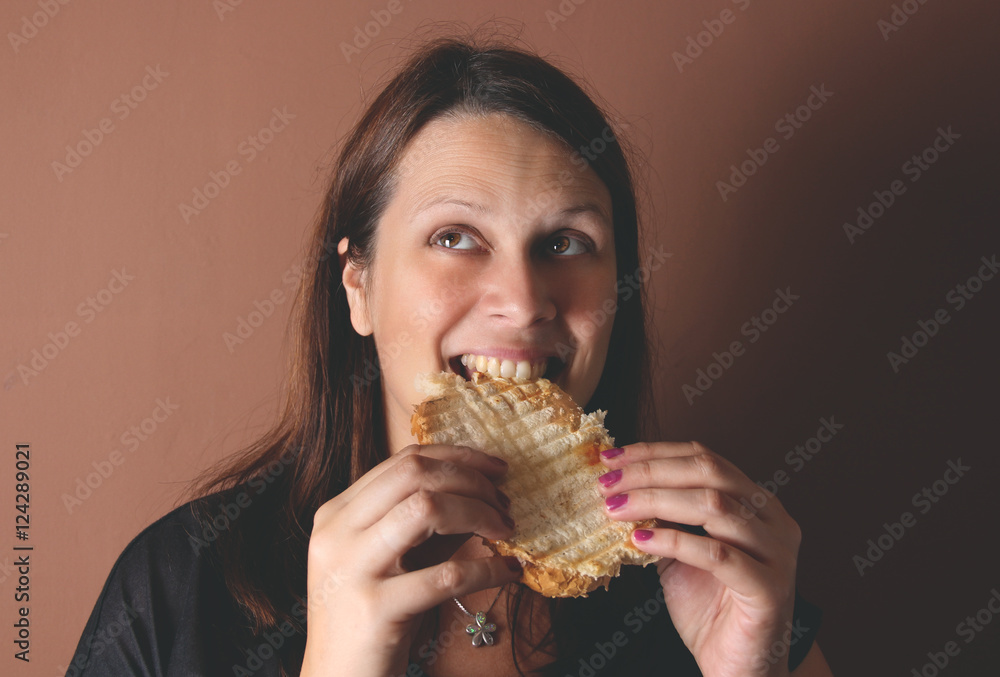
590 311
421 312
436 300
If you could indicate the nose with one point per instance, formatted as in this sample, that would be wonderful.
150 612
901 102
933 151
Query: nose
520 292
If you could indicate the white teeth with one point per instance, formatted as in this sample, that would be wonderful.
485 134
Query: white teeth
505 368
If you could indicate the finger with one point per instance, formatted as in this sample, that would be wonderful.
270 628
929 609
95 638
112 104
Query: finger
646 450
490 466
415 592
678 472
414 473
731 566
663 465
712 509
691 458
420 516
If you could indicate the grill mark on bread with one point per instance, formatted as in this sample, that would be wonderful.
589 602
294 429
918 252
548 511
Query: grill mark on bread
568 544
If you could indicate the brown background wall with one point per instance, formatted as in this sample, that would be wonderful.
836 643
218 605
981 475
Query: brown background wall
65 235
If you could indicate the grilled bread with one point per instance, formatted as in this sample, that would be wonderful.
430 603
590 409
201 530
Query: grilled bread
566 543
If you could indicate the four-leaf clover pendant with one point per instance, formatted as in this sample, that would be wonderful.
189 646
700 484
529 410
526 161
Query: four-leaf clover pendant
483 633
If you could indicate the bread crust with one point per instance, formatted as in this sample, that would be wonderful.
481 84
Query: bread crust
566 543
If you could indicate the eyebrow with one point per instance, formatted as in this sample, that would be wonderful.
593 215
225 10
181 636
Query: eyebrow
582 208
482 209
586 208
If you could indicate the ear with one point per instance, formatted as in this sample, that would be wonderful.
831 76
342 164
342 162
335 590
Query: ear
353 278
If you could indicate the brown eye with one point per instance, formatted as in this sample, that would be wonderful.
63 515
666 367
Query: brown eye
565 245
453 241
560 244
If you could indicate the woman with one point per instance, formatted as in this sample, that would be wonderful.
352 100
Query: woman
482 206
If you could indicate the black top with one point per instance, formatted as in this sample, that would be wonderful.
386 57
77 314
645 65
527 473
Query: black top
165 611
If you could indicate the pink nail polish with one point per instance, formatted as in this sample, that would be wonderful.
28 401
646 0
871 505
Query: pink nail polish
642 534
610 478
611 453
616 502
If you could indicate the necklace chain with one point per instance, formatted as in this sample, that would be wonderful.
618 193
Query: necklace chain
472 615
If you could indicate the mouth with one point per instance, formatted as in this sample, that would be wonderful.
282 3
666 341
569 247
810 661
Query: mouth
466 364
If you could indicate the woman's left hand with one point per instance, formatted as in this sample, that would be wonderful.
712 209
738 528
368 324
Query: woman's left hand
730 594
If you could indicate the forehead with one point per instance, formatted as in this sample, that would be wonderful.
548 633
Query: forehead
497 160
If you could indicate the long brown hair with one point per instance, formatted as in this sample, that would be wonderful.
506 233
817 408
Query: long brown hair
330 431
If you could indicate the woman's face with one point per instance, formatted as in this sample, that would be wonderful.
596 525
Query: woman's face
495 253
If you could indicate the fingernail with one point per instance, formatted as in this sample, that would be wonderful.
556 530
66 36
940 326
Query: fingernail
615 502
498 461
503 500
512 563
610 478
611 453
642 534
508 520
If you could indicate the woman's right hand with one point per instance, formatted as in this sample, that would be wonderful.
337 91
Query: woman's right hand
366 594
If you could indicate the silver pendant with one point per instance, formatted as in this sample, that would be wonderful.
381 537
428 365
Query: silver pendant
482 632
